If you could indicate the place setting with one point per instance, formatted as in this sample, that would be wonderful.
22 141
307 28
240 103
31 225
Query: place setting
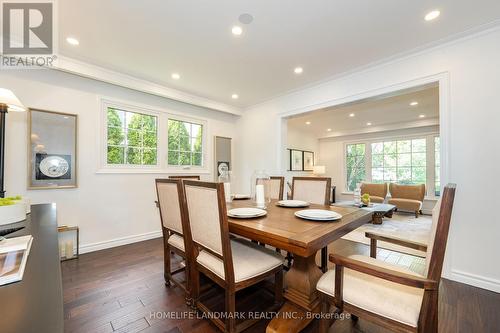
246 212
292 203
318 215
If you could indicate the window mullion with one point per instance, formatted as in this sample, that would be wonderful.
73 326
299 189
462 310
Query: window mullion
368 162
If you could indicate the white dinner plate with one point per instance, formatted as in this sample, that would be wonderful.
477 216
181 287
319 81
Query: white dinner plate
246 213
318 215
241 196
293 203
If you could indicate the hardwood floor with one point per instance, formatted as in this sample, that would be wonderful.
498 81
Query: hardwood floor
122 290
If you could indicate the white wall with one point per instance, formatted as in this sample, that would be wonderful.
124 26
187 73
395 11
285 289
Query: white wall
473 66
111 209
331 155
297 139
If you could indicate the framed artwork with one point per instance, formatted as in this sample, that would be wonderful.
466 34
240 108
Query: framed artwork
222 166
52 150
308 160
296 160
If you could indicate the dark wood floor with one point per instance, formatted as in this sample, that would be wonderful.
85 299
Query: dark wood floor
121 290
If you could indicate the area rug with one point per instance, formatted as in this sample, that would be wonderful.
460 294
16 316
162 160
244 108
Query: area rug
403 225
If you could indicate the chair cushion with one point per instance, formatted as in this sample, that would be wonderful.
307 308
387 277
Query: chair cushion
176 241
406 204
249 260
388 299
374 198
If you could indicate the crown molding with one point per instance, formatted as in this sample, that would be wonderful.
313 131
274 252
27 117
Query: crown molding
80 68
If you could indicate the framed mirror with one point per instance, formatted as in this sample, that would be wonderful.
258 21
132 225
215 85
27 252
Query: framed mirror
52 150
222 152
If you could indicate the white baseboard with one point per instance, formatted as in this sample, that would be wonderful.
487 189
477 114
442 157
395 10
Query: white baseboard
86 248
476 280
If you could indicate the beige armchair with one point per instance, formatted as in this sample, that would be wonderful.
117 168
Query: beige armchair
377 192
407 197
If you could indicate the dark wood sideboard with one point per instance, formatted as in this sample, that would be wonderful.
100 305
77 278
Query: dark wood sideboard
35 304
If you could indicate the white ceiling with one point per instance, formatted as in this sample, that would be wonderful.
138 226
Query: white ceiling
152 39
394 112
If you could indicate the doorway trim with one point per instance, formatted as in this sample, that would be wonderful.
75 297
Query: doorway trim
443 81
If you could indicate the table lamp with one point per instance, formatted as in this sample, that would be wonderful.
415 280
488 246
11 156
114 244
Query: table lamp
319 170
8 102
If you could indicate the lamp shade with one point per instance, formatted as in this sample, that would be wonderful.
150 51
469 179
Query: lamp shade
319 169
13 104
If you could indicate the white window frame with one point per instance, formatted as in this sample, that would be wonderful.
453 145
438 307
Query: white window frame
430 165
191 168
161 166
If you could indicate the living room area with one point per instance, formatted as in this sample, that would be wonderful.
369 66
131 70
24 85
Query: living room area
382 154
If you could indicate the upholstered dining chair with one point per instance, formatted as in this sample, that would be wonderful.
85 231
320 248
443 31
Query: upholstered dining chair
389 295
315 190
277 187
233 264
194 177
171 203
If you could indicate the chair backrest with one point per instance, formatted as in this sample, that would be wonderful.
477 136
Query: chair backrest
441 217
315 190
170 201
207 218
413 192
378 190
185 177
276 187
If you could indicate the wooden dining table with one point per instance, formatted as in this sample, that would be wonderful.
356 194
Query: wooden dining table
280 228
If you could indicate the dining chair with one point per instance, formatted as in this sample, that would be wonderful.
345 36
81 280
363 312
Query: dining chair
233 264
389 295
196 177
315 190
276 187
171 203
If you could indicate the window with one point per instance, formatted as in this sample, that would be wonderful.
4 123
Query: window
355 165
131 138
185 143
437 158
401 161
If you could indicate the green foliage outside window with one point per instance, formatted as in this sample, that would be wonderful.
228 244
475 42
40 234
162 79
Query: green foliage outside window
131 138
401 161
185 143
355 165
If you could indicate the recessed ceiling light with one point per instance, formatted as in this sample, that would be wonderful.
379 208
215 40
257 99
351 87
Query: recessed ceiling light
72 41
414 103
329 129
422 116
298 70
432 15
236 30
368 124
176 76
351 115
235 96
308 123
